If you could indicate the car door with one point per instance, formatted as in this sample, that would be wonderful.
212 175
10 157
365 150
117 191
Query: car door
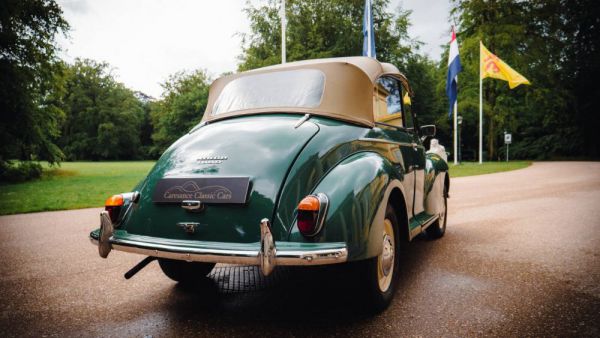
417 157
399 129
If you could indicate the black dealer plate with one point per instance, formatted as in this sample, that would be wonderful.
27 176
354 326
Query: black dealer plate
203 189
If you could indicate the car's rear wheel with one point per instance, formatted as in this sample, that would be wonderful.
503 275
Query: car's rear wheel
380 274
185 272
438 228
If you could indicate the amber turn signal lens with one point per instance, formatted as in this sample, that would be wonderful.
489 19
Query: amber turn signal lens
309 210
309 203
114 201
113 205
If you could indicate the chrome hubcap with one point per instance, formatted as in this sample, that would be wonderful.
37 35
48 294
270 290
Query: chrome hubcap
385 261
387 257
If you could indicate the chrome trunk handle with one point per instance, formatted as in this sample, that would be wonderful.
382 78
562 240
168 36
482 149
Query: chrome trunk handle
192 205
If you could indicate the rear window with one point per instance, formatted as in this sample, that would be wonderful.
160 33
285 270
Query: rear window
296 88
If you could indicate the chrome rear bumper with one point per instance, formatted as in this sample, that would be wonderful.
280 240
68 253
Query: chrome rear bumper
267 255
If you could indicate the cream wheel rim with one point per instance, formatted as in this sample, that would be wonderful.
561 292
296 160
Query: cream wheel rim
385 261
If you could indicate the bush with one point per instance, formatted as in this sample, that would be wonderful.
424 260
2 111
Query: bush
19 172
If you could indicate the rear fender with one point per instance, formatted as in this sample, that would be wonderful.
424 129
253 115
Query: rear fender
437 183
358 189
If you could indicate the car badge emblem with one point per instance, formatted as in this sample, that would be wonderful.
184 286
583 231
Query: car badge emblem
189 227
212 159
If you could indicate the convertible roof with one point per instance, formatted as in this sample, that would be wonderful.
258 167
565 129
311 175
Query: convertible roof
348 91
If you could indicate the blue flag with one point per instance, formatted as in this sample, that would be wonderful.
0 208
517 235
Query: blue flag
368 34
454 67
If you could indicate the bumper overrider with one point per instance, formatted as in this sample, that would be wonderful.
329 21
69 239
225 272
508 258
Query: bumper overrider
265 253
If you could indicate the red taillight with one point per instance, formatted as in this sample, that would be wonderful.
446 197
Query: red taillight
311 213
307 222
113 205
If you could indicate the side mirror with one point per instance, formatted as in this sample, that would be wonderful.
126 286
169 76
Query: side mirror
427 131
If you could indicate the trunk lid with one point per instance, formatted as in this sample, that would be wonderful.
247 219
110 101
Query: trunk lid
262 148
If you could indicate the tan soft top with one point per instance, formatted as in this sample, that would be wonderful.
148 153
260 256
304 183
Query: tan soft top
347 95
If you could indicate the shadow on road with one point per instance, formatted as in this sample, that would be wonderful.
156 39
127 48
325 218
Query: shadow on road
303 298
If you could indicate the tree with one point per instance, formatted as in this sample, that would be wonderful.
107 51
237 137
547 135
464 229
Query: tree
103 117
29 119
182 106
553 43
147 128
499 24
579 29
321 29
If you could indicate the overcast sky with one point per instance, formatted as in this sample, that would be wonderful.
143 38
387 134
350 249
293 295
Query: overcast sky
146 41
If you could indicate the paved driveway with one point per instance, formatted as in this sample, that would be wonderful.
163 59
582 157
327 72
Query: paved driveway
521 258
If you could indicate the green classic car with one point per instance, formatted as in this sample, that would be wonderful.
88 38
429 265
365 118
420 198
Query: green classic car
306 163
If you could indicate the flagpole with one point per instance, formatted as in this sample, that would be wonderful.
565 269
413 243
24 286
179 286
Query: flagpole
283 24
455 133
480 109
369 51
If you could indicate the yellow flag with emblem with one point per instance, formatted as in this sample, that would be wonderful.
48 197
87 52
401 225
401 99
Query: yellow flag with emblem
406 99
492 66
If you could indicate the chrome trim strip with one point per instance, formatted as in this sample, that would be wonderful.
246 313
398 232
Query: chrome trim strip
302 120
415 232
410 145
419 229
178 249
249 257
429 222
323 208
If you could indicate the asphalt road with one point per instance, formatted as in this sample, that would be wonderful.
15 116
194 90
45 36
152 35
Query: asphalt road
521 257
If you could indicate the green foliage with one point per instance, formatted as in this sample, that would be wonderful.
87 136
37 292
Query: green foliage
20 171
472 169
552 43
72 186
321 29
421 73
104 118
29 122
146 127
182 106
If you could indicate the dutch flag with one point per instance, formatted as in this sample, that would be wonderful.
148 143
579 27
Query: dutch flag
454 68
368 34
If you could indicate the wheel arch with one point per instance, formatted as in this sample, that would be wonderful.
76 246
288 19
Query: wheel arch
396 199
359 189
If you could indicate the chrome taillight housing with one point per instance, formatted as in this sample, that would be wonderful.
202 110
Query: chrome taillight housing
118 205
312 210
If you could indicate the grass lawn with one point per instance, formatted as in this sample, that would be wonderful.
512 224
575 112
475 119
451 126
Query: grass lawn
474 168
73 185
87 184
